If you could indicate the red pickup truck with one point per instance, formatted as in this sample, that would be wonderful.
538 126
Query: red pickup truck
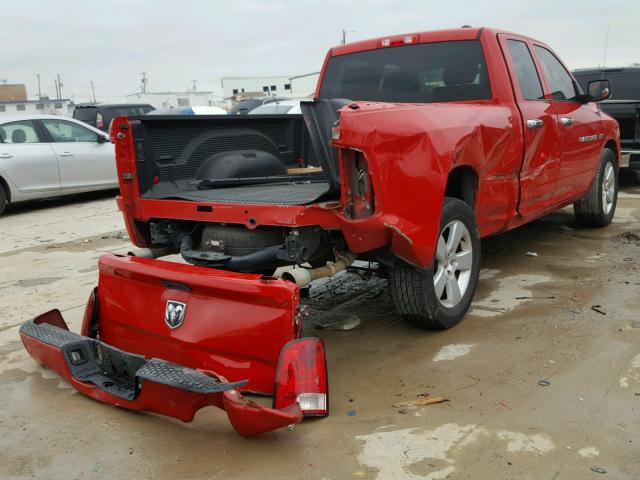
414 147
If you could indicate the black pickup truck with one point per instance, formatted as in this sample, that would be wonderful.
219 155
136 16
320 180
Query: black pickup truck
624 107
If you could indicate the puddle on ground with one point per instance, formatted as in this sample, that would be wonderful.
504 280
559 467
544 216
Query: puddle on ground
511 292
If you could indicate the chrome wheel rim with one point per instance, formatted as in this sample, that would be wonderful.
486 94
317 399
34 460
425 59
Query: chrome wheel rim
608 188
454 260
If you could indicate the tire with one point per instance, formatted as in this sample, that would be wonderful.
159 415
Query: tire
3 199
597 207
413 290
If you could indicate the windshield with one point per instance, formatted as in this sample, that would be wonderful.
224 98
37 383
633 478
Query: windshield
430 72
625 85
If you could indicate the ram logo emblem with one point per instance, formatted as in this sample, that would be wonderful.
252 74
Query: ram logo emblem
174 314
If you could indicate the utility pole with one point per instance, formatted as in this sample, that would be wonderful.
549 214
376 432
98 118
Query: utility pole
194 84
55 82
144 81
93 91
59 87
39 91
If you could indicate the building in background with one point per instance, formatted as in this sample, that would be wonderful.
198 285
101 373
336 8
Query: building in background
243 87
304 85
191 98
13 92
62 106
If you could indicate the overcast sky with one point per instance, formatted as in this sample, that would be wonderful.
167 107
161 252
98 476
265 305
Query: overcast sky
111 42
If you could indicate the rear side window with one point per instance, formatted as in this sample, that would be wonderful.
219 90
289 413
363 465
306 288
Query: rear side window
19 132
528 79
85 114
424 73
560 82
133 110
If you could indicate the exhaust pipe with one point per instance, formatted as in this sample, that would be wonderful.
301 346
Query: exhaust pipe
151 252
304 276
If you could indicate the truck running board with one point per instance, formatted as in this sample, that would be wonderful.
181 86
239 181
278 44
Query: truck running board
131 381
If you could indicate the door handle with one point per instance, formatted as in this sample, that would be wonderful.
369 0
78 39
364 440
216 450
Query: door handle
534 123
5 155
66 154
566 120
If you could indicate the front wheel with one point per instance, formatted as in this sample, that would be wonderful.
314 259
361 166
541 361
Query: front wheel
440 296
597 207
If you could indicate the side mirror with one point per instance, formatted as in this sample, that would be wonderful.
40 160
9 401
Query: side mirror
598 90
103 139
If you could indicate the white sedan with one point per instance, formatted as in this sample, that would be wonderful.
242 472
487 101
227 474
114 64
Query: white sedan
48 156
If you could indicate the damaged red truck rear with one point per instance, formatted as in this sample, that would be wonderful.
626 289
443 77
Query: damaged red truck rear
414 147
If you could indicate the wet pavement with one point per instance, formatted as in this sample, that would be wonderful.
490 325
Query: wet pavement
542 376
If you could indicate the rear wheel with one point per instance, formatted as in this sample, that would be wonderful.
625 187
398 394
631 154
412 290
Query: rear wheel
597 207
440 296
3 199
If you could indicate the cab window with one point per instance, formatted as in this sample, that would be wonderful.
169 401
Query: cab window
422 73
19 132
528 79
63 131
560 82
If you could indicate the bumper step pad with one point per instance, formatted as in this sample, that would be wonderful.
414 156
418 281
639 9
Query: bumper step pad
134 382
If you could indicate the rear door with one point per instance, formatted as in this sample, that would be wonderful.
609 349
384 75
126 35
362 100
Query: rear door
26 158
541 158
85 162
581 129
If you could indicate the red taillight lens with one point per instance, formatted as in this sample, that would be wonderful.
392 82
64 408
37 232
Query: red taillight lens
90 319
302 377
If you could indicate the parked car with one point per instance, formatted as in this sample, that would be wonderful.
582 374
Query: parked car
45 156
624 107
427 142
100 116
245 106
290 107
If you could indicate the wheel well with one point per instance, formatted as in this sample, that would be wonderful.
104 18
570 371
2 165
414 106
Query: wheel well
5 186
611 145
463 184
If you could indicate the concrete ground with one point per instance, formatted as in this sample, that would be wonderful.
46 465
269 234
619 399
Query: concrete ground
543 375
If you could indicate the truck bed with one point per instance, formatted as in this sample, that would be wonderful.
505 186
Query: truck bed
275 194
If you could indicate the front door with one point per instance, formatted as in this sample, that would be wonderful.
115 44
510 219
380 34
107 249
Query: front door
25 157
541 156
85 163
582 139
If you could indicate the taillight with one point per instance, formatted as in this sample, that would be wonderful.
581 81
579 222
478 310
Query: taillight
99 120
90 319
358 199
301 377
